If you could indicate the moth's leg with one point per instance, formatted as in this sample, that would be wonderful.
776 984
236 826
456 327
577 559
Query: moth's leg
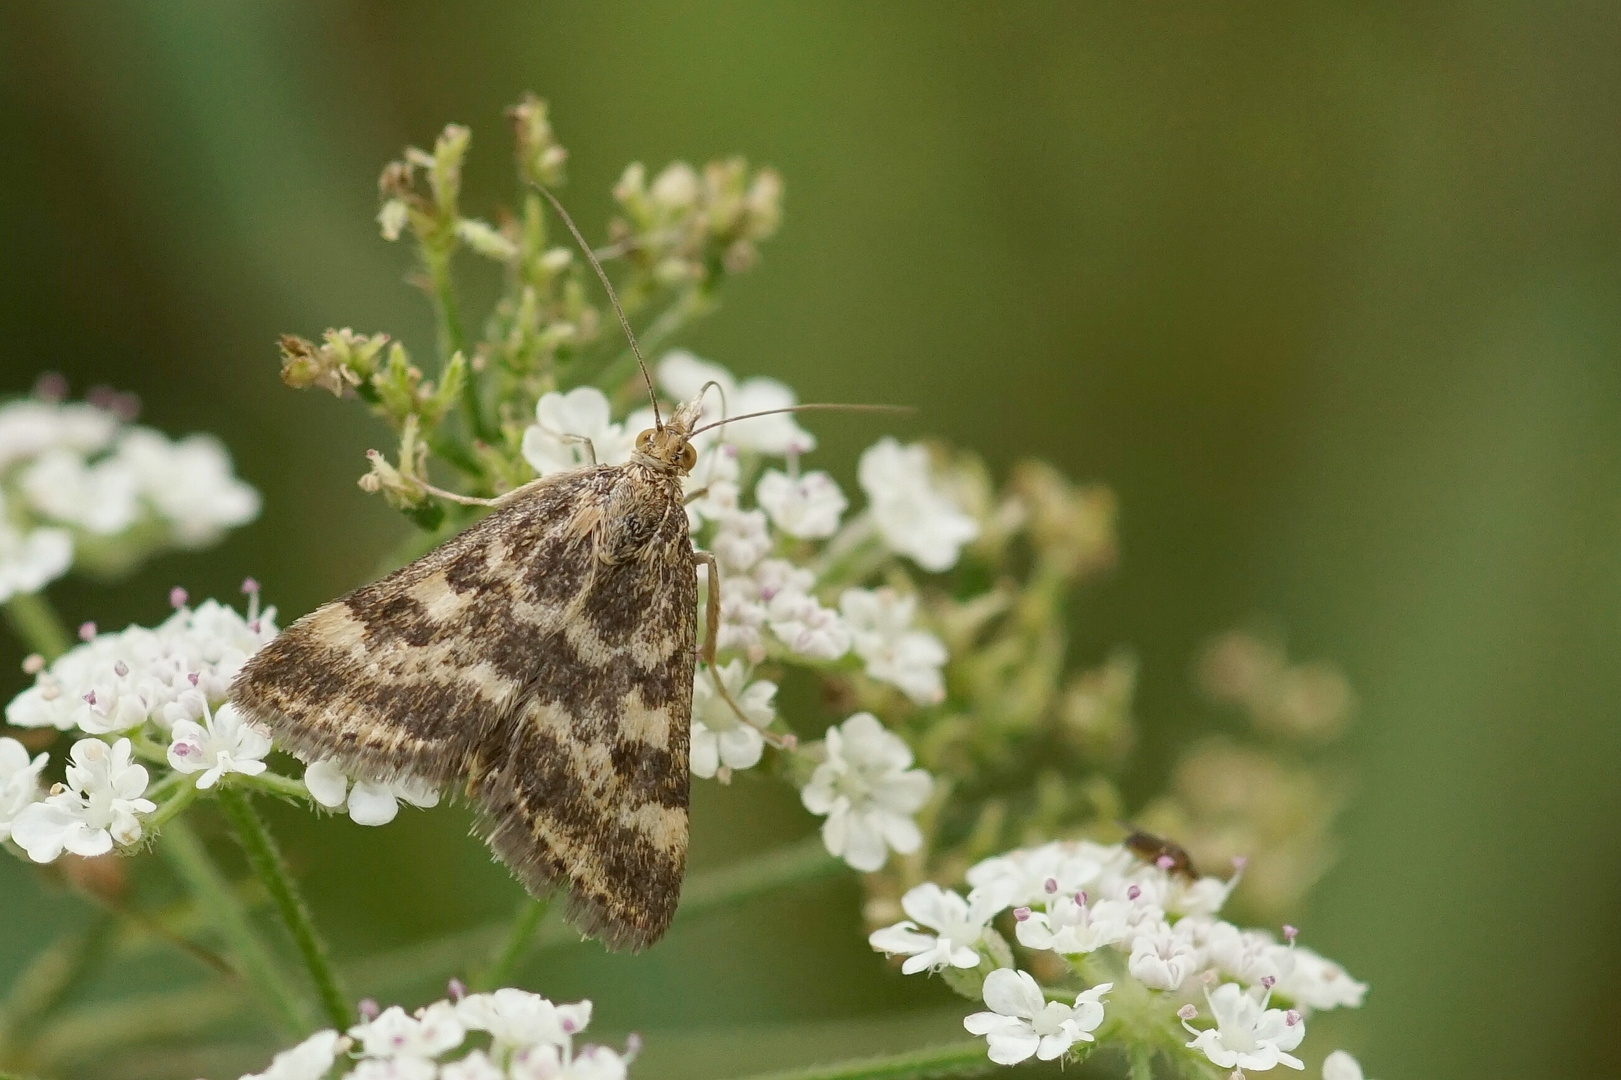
706 649
590 451
695 496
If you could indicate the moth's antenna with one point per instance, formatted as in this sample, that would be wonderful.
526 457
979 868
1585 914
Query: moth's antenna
658 420
814 407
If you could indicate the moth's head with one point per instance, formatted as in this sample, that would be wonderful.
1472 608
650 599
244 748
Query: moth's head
669 447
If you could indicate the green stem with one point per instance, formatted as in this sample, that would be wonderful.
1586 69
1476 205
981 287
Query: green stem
215 896
520 937
1140 1062
46 982
274 783
267 863
37 623
953 1059
622 368
185 794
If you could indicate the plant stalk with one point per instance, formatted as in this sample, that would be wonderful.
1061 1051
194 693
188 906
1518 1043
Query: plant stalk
514 947
45 983
953 1059
214 896
265 859
36 622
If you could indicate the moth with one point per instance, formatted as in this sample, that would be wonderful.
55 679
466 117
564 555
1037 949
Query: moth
542 660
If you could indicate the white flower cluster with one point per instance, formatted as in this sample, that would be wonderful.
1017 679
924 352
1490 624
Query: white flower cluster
527 1038
131 691
780 603
82 485
1161 928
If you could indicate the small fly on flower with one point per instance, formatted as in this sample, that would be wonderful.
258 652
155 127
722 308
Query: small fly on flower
1168 855
543 661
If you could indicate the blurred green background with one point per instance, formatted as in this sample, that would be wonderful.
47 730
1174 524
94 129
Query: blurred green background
1330 294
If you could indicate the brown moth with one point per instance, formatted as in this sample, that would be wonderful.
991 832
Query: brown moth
544 660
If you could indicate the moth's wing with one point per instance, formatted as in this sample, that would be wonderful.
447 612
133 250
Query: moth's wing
586 785
402 678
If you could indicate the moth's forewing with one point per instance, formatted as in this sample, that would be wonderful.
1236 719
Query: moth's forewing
543 661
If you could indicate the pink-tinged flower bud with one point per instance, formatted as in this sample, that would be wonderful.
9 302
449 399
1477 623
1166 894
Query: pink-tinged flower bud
87 631
177 597
368 1009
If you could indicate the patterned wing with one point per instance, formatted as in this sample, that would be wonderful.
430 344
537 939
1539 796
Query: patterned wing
544 657
587 783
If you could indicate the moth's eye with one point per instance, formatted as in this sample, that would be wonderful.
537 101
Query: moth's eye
644 441
689 457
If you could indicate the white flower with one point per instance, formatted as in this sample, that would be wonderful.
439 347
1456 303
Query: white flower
103 498
807 507
1318 983
795 615
19 781
310 1060
189 483
741 539
550 1063
1042 875
958 925
1341 1066
869 792
1248 955
914 517
1162 959
225 742
427 1034
715 475
742 614
475 1066
1070 925
31 560
1023 1023
552 444
95 809
719 736
683 375
370 802
881 633
118 681
1247 1035
403 1067
29 427
517 1018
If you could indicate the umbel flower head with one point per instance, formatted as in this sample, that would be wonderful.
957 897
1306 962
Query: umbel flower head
97 807
530 1038
86 487
1069 900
